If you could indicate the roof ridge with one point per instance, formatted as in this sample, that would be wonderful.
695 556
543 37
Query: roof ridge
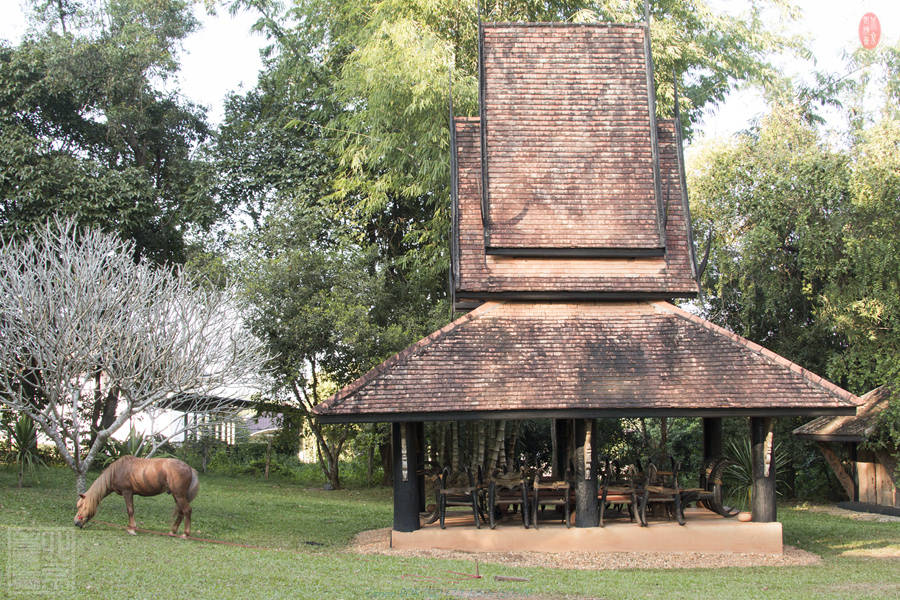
413 348
772 357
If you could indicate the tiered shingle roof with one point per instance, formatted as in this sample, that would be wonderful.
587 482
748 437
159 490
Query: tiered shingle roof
569 140
566 185
589 359
571 225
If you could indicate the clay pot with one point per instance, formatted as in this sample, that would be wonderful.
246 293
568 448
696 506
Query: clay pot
744 517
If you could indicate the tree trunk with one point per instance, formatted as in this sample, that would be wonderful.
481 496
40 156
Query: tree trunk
454 446
384 451
511 454
493 458
478 454
664 437
81 481
370 463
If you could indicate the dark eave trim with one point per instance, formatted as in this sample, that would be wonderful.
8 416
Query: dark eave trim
830 437
494 415
654 137
571 296
482 113
576 252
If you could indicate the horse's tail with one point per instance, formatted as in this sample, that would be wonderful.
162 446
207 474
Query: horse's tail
195 486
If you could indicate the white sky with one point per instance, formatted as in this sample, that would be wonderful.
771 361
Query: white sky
223 56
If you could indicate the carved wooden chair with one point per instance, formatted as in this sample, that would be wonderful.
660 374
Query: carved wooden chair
505 490
559 493
457 489
618 489
661 489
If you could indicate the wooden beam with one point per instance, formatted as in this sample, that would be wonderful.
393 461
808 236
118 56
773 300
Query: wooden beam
835 463
762 455
406 492
586 507
712 437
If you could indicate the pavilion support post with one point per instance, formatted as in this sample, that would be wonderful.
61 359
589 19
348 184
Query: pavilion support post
406 483
712 438
586 507
762 454
420 463
560 457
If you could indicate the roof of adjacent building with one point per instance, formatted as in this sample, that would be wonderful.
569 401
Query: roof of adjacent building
586 359
852 428
569 137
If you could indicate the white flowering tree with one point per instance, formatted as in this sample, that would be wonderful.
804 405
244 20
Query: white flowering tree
76 310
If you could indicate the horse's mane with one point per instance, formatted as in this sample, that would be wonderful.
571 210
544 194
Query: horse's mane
101 487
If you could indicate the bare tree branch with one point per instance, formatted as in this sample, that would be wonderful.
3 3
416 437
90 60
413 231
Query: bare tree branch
74 303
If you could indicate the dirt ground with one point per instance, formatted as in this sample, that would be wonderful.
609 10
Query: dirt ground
378 542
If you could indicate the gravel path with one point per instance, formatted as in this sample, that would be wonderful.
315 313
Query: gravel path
378 542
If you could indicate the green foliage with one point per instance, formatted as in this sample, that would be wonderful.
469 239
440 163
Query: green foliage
88 129
885 436
25 452
134 445
775 200
738 475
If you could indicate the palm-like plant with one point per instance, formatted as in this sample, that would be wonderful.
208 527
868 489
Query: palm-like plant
738 475
25 448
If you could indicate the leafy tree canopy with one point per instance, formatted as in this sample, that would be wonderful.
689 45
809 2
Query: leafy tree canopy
87 127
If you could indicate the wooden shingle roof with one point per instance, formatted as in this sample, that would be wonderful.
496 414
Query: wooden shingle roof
852 428
569 135
590 359
484 275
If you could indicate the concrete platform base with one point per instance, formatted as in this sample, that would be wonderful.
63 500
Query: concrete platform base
704 532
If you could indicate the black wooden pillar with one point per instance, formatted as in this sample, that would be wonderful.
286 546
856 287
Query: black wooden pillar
762 454
586 507
712 438
561 431
420 463
406 483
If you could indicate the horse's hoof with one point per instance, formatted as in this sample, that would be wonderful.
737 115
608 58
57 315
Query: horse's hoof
131 532
184 536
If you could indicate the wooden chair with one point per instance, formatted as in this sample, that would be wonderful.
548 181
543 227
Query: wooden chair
618 488
661 488
457 489
505 490
553 493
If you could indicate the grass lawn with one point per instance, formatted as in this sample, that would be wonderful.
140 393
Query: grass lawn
305 530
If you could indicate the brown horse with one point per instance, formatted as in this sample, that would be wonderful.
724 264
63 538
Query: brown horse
145 477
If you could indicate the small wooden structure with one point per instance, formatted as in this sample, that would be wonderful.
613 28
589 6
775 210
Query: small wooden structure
571 233
869 478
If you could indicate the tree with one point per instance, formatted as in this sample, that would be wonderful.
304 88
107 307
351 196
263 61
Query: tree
88 129
313 292
75 305
776 201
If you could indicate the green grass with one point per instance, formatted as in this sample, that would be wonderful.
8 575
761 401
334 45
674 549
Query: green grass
106 563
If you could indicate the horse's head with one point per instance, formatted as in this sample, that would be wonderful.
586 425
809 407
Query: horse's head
84 510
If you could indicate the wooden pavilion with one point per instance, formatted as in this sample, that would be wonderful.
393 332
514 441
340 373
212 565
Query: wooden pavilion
570 234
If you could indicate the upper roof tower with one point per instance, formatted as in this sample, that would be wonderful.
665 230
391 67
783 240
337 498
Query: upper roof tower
566 186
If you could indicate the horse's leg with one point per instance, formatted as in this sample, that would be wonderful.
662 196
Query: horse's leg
184 509
129 508
177 516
